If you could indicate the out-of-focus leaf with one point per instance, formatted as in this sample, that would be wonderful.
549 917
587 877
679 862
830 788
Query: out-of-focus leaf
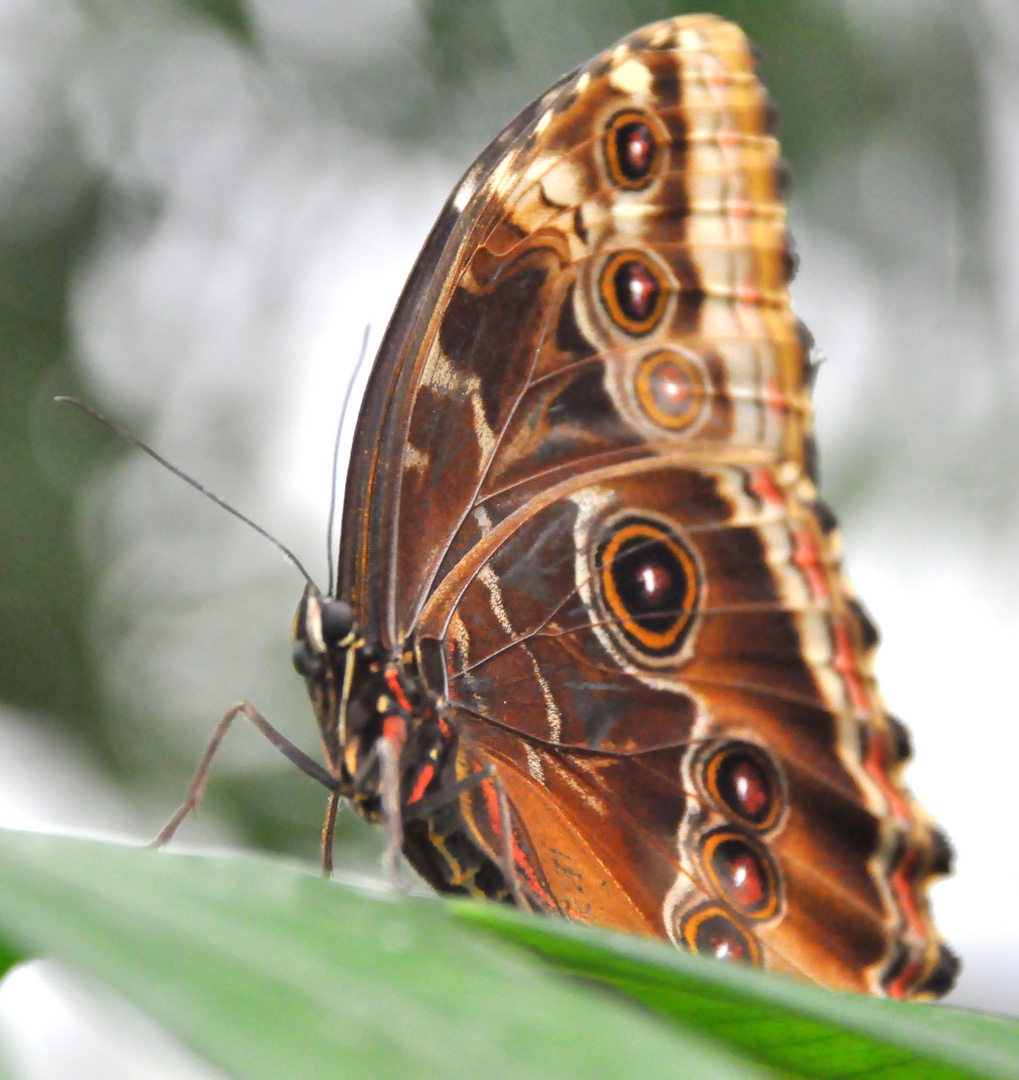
791 1026
268 971
232 15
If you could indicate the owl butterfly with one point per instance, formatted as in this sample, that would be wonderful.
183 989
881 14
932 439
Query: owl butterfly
592 650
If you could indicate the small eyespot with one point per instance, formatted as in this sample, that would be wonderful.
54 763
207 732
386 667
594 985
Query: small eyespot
649 585
742 872
743 781
671 389
711 931
307 661
633 152
337 621
634 292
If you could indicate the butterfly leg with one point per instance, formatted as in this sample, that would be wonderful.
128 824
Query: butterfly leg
509 868
388 748
197 786
328 831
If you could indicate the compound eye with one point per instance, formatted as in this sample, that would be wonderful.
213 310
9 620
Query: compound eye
307 661
337 621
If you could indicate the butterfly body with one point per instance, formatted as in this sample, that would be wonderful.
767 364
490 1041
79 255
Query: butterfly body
592 639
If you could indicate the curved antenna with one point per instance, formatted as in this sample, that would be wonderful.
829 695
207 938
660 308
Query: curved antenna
132 438
336 455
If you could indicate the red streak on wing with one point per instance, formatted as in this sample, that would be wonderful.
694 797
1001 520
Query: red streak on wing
394 730
807 559
421 784
393 682
845 664
520 860
876 767
902 884
766 489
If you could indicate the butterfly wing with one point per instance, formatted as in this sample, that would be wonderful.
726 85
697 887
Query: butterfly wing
587 463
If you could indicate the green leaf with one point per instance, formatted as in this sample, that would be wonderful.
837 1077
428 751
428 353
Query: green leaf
270 972
778 1022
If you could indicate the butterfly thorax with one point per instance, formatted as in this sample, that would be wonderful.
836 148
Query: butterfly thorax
372 707
363 696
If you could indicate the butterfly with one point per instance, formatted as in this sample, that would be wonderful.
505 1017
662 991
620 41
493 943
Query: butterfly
591 650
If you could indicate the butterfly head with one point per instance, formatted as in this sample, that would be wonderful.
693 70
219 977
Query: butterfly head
323 629
324 635
359 693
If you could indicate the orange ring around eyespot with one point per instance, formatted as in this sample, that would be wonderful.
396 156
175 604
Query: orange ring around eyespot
694 923
654 641
685 375
610 144
607 288
768 905
767 767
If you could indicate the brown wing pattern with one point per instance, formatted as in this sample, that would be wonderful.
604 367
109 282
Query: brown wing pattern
588 465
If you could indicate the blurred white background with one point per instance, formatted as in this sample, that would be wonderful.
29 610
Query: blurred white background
220 197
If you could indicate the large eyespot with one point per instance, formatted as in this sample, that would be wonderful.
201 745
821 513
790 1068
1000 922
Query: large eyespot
671 389
634 291
742 872
743 781
649 585
712 931
632 150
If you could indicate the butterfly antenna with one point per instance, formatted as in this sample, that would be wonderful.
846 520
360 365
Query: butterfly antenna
132 438
336 455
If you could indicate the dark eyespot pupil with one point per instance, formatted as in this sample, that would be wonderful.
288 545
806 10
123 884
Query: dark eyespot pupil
637 291
651 582
744 874
635 149
337 620
654 580
745 787
717 936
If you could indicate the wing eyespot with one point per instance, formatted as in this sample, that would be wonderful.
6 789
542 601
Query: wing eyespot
649 584
671 390
634 152
741 871
743 781
634 291
710 930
